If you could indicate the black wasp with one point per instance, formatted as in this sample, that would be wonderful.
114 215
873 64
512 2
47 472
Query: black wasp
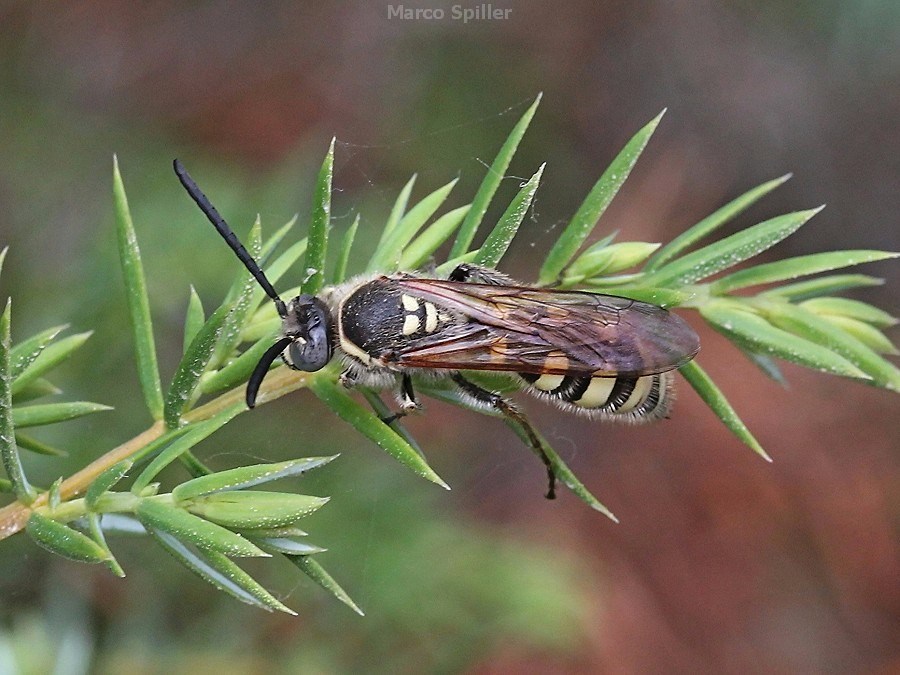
600 355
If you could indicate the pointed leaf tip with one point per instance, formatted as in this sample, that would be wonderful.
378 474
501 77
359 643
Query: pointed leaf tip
703 384
63 540
137 298
595 204
490 183
367 423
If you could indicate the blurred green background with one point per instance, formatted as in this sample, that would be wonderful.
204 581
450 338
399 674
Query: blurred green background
722 563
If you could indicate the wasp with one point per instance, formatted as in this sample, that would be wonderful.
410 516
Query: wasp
603 356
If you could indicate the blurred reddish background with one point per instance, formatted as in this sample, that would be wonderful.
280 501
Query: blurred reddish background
722 563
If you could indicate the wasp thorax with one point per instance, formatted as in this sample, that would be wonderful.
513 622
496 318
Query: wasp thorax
307 323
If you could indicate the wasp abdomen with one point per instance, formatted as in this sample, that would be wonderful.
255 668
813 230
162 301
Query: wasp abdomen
624 398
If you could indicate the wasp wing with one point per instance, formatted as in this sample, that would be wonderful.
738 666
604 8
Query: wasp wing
528 330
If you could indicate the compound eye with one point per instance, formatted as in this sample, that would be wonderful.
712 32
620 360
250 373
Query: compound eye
311 353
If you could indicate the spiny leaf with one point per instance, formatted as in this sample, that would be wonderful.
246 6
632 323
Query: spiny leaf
182 442
239 306
51 413
374 400
422 247
136 295
266 532
491 182
767 365
593 207
753 332
501 236
97 535
715 399
63 540
252 509
239 369
397 210
866 333
287 546
38 388
221 572
53 497
373 428
105 481
387 255
809 326
314 277
606 259
192 366
664 297
834 283
121 524
576 272
791 268
187 527
729 251
278 268
23 354
711 223
193 465
317 573
193 320
154 446
272 242
340 265
9 453
41 448
244 477
265 324
51 356
851 309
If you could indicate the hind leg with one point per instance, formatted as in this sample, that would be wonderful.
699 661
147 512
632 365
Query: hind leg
509 410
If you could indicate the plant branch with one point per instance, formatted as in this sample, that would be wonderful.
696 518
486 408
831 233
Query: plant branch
13 517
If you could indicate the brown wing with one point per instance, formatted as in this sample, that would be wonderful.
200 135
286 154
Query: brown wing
528 330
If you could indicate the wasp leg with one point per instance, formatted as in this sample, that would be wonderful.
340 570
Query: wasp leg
513 414
477 274
348 379
407 393
407 399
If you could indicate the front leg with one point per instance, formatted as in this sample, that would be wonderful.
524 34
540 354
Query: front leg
406 397
348 378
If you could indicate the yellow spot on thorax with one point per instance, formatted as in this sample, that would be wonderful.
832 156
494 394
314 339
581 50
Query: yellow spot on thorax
410 324
410 304
431 317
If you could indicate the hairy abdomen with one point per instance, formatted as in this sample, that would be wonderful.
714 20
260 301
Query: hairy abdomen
622 398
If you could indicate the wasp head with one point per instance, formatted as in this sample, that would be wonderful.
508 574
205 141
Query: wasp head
307 322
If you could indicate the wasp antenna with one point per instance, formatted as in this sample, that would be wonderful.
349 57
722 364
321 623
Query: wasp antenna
230 238
259 373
